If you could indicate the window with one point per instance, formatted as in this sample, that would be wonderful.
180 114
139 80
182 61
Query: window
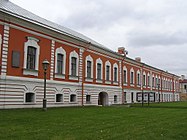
132 77
115 74
89 67
29 97
72 98
124 75
99 71
138 78
31 57
59 63
153 82
115 98
59 98
107 73
144 80
185 86
73 66
88 98
148 80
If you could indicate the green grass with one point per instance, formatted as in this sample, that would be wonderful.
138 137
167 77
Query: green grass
165 121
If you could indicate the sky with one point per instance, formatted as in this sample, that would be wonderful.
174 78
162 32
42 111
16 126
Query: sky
155 30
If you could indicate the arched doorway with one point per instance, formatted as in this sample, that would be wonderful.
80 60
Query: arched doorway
103 99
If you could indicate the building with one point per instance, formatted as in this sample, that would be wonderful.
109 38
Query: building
183 88
81 72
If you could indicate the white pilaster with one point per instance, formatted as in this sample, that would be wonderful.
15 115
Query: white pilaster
5 41
52 59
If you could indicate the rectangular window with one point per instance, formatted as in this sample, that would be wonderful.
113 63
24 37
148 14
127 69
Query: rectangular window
132 77
88 98
98 71
115 74
73 66
107 72
59 63
125 76
89 67
185 87
31 57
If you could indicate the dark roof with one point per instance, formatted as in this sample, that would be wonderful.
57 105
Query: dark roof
10 8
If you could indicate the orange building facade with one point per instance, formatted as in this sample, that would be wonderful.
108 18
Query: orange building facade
81 71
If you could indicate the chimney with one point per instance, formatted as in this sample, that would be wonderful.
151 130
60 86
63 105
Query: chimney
182 77
122 51
138 59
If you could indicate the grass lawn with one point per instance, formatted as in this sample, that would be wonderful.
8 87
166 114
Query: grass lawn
166 121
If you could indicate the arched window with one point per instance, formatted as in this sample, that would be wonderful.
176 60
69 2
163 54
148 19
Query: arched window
60 63
31 56
148 79
29 97
108 72
115 73
99 70
59 97
132 76
73 65
138 78
89 67
144 78
125 75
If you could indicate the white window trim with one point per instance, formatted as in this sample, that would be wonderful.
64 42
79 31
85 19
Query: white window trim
0 43
107 63
33 42
75 98
115 66
148 80
63 52
144 74
89 58
62 98
138 82
25 98
125 82
132 70
100 62
73 54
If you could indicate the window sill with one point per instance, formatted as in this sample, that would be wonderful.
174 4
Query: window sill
125 84
73 77
99 81
107 82
132 85
59 76
30 72
73 102
88 79
29 103
115 83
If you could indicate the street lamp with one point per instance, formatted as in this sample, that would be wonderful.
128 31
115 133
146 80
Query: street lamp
158 93
45 65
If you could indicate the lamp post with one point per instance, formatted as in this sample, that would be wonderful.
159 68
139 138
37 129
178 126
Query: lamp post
45 65
158 93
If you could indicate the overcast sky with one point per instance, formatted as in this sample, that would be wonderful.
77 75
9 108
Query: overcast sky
155 30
